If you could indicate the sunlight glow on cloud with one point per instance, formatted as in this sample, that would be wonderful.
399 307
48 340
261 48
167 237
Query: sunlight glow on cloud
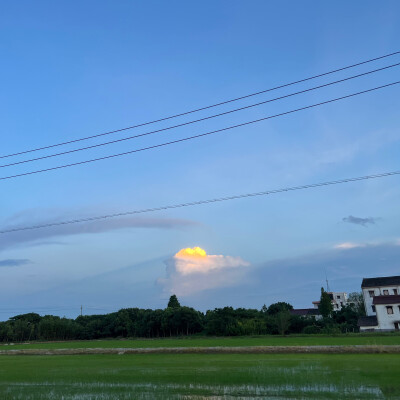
191 252
192 270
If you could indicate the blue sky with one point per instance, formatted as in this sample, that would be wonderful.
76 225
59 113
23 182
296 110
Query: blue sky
71 70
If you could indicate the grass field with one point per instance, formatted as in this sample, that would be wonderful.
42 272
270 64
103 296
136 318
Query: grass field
306 340
229 376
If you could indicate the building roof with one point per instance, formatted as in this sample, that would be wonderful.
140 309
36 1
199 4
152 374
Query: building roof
367 321
305 311
381 281
391 299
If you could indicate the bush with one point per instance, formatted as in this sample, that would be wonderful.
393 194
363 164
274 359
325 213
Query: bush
331 330
310 329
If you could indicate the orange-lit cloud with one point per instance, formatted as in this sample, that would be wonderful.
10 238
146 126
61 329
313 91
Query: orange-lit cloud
192 270
195 252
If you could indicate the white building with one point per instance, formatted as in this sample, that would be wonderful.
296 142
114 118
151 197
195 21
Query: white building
382 303
339 300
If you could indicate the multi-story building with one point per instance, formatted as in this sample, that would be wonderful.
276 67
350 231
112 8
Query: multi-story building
382 303
339 300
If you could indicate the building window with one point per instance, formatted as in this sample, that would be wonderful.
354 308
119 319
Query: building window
397 326
389 309
373 308
395 292
386 292
338 296
371 293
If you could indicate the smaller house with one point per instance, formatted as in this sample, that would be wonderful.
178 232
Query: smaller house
368 323
339 300
306 312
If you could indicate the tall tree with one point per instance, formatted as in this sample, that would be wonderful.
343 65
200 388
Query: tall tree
264 309
356 300
282 321
173 302
325 306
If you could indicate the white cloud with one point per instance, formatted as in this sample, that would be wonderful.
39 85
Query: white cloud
188 274
348 245
354 245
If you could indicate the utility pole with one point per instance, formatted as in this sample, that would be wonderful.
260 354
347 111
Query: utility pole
81 310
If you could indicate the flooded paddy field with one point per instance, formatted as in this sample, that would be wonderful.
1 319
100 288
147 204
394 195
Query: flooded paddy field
201 376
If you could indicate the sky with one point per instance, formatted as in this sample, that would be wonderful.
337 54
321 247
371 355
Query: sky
72 70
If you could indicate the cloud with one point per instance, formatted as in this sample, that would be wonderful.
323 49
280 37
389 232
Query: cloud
359 221
14 262
349 245
47 235
354 245
192 270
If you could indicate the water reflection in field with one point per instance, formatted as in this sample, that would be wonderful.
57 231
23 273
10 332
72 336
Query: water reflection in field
147 391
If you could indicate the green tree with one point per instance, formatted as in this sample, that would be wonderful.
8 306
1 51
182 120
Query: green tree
325 306
282 321
356 301
278 307
264 309
173 302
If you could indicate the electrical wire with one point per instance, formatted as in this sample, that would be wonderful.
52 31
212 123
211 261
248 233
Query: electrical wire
200 202
198 135
198 120
203 108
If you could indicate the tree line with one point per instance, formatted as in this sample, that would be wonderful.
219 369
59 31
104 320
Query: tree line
177 320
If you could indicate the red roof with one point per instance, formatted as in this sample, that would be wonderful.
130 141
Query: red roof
391 299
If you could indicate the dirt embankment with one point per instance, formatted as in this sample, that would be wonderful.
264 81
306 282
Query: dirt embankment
361 349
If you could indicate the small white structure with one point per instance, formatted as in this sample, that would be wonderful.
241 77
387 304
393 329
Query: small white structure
339 300
382 304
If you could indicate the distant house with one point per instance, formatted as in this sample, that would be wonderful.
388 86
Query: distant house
382 304
339 300
306 312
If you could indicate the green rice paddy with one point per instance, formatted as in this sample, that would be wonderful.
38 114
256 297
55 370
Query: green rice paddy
203 376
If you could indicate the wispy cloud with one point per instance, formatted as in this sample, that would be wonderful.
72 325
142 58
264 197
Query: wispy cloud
46 235
360 221
349 245
13 262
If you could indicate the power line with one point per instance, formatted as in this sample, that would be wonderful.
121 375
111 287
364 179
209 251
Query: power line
199 120
203 108
200 202
197 136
